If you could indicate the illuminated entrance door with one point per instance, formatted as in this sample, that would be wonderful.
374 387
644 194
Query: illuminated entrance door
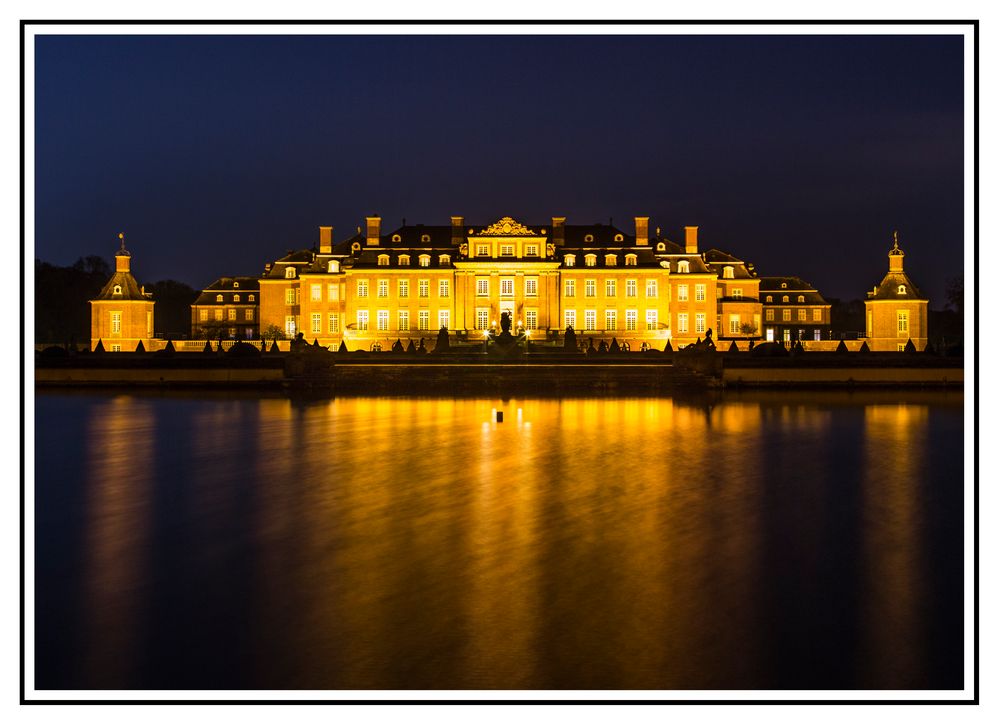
787 335
770 334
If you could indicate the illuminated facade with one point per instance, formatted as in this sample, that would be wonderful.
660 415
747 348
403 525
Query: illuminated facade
122 314
896 311
228 308
793 310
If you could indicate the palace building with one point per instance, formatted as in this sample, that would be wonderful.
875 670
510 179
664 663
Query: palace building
227 308
121 317
896 309
793 310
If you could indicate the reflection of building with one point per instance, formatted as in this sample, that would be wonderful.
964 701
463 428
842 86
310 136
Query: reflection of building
896 310
228 308
122 314
793 310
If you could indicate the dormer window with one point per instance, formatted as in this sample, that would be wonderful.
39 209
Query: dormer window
403 260
683 266
785 299
235 298
531 250
252 298
218 298
728 272
618 237
383 260
588 238
783 285
661 247
289 273
591 260
801 299
611 260
396 238
117 289
770 298
901 289
235 285
737 293
424 260
570 260
444 259
333 266
631 260
424 238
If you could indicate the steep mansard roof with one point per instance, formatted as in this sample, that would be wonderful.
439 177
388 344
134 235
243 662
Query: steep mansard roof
888 289
130 289
792 287
228 287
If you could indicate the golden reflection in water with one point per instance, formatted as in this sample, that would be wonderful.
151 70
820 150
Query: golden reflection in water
895 440
120 448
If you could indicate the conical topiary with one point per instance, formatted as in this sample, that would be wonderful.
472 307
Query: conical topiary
274 347
669 347
207 347
169 346
841 348
864 348
614 347
140 347
910 346
733 347
342 347
411 347
100 346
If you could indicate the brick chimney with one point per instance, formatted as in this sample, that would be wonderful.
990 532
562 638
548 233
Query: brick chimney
374 229
642 231
326 240
457 230
691 238
558 231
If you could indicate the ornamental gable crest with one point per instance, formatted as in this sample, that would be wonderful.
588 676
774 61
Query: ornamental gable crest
507 227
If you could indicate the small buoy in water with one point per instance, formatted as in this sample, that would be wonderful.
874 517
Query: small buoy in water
499 416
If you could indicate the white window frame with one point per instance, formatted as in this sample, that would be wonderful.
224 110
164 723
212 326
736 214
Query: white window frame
530 319
700 322
569 317
423 288
569 289
403 320
423 319
700 292
631 288
630 320
444 319
590 320
530 286
362 320
506 287
403 289
651 288
652 319
362 288
590 288
443 288
382 321
481 286
610 287
610 320
317 323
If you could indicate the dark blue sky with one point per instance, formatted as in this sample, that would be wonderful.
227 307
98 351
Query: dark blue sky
217 154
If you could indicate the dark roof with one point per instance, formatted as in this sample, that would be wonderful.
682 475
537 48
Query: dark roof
234 283
297 259
718 260
888 289
226 286
645 255
412 235
795 287
776 284
129 288
595 235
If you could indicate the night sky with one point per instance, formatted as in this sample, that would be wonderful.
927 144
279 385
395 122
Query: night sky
217 154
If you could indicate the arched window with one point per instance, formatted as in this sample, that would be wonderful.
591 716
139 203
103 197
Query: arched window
901 289
631 260
591 260
661 247
770 298
783 285
235 285
444 259
252 298
801 298
588 238
424 238
683 266
289 273
218 298
570 260
728 272
403 260
396 238
333 266
611 260
383 260
424 260
785 299
235 298
117 289
618 237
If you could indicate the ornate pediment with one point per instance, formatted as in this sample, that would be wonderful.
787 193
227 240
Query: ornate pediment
507 227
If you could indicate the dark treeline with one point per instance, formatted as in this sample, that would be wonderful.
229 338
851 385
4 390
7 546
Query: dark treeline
62 296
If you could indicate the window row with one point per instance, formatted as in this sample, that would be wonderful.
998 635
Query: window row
403 260
700 292
231 315
402 320
235 298
610 288
610 320
610 260
802 315
506 250
506 287
785 299
402 289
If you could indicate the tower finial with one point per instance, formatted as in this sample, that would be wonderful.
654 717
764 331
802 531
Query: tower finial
895 235
121 236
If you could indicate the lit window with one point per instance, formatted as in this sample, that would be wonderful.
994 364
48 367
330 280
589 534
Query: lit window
316 293
248 316
404 320
591 288
333 266
570 318
289 325
610 320
289 273
570 288
531 319
252 298
424 288
117 290
630 320
506 250
424 260
403 260
443 288
530 287
786 315
232 332
506 287
630 260
737 292
683 266
396 238
482 287
235 298
289 296
362 320
651 319
699 325
444 259
218 298
482 250
590 260
424 238
631 288
332 292
817 315
115 323
235 285
317 323
232 313
610 260
590 320
482 318
783 285
901 289
218 315
116 348
588 238
531 250
570 260
424 319
801 299
618 237
334 323
651 288
383 260
700 291
203 315
383 288
903 322
728 272
362 288
770 315
682 293
403 288
383 318
733 324
785 299
610 288
682 324
770 298
444 319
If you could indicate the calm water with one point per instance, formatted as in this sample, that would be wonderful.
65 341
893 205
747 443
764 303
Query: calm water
750 541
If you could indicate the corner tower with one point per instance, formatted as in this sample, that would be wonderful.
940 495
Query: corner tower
896 309
121 316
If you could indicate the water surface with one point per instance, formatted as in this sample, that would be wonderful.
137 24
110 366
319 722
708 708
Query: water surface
742 541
